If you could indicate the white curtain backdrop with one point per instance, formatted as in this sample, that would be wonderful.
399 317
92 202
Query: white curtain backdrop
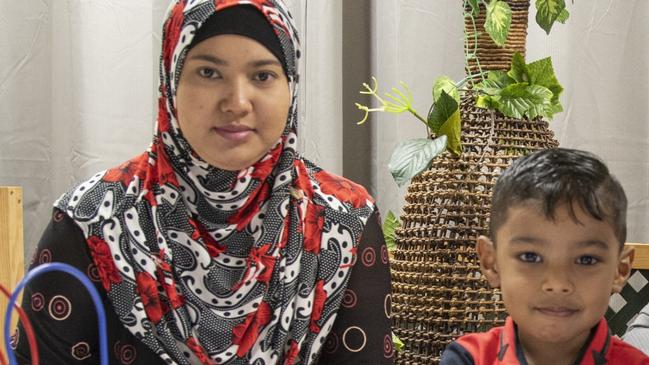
78 81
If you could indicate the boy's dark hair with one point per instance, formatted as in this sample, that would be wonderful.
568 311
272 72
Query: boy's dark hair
555 176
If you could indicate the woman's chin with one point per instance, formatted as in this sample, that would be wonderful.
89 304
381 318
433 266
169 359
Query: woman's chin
230 163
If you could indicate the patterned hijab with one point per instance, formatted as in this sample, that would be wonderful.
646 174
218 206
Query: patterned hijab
210 266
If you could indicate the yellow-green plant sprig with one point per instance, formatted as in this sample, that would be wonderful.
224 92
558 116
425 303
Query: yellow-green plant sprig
401 101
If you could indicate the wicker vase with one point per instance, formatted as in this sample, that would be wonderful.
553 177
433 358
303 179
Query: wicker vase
438 291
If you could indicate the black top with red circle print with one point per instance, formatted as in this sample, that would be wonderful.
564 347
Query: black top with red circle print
64 318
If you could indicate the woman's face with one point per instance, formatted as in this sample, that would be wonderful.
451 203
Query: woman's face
232 101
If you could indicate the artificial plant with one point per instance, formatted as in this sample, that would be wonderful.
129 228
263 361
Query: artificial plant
527 90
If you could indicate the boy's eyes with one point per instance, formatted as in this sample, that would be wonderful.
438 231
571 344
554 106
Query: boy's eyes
587 260
529 257
532 257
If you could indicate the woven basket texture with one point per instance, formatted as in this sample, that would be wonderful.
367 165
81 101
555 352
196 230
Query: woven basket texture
492 56
438 292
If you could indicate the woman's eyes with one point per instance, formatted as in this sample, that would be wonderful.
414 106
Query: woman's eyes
264 76
208 73
587 260
529 257
261 76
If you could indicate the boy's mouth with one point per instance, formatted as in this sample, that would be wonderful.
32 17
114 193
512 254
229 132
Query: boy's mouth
556 311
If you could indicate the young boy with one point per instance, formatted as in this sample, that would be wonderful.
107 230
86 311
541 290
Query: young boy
558 227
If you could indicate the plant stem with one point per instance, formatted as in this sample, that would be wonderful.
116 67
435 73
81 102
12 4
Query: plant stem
475 49
475 45
414 112
470 77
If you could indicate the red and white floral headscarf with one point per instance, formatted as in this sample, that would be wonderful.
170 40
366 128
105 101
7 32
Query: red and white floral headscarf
209 266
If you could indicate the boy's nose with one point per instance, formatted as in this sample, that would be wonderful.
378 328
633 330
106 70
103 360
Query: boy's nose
237 100
557 281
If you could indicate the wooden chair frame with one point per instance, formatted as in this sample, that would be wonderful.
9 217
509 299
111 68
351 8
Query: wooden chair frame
641 260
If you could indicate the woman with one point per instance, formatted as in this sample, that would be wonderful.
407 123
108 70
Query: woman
220 244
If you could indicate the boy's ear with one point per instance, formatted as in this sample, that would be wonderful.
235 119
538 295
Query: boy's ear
624 266
488 265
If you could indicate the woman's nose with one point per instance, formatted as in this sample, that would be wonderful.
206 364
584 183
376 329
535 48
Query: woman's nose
237 99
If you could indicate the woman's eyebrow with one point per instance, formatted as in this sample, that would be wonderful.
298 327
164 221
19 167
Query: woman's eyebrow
208 58
265 62
218 61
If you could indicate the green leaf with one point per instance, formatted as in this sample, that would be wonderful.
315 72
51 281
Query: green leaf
563 16
389 225
539 109
452 129
535 94
494 83
500 77
541 73
398 344
448 85
547 12
443 108
486 102
518 71
475 7
499 19
554 108
556 89
521 99
411 157
489 87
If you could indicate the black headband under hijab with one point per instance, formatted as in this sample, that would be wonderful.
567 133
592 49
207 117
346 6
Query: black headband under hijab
244 20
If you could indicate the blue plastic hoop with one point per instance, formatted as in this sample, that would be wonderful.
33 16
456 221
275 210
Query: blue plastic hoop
58 266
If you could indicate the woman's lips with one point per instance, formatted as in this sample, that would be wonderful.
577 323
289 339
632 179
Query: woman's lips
235 133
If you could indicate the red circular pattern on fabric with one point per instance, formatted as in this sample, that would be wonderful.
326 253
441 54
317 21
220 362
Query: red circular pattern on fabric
60 308
45 257
93 273
125 353
368 257
349 299
58 216
384 254
38 302
388 347
331 345
387 305
81 351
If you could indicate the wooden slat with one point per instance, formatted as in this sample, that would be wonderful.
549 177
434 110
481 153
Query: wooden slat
11 245
641 260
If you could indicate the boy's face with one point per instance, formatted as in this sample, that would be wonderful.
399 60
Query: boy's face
556 276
